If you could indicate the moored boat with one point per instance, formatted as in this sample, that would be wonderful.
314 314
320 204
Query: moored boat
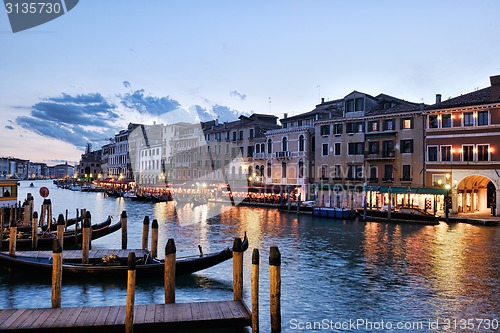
335 213
112 266
403 215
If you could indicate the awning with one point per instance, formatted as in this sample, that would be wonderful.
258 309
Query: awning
340 187
405 190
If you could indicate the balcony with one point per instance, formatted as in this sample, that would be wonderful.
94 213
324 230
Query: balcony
405 179
260 156
283 155
388 180
380 156
373 180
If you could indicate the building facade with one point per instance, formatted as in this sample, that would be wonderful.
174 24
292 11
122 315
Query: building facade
462 149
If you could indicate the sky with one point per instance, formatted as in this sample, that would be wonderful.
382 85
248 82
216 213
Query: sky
85 75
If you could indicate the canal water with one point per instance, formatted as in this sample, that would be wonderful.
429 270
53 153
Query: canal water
337 276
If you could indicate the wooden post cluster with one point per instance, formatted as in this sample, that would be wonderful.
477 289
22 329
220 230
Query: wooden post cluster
254 281
145 232
169 271
123 220
129 310
275 288
56 273
86 237
298 203
154 238
26 212
237 270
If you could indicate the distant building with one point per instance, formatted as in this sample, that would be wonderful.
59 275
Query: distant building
462 137
37 171
89 167
62 171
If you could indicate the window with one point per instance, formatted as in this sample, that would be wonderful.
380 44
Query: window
406 175
349 105
373 126
268 170
433 121
257 149
283 170
407 123
389 125
407 146
284 144
388 173
234 136
468 118
251 133
299 123
269 146
350 128
354 172
468 153
301 143
388 148
324 170
432 153
438 180
446 153
241 135
325 129
482 118
446 120
373 147
483 153
356 148
373 173
337 149
301 169
337 172
337 129
324 149
359 104
360 127
249 151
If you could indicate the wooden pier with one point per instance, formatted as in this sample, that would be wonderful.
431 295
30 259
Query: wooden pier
147 317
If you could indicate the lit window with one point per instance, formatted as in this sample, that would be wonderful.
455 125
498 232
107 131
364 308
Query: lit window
468 119
482 118
432 154
483 152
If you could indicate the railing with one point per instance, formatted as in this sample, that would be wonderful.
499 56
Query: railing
283 154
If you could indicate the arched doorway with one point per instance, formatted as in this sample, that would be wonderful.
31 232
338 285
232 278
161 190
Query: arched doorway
475 194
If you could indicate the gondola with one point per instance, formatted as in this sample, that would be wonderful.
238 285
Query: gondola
71 241
53 226
405 215
146 266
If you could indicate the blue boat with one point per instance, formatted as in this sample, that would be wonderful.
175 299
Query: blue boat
336 213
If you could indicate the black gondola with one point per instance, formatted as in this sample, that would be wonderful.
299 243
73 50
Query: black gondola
71 241
146 266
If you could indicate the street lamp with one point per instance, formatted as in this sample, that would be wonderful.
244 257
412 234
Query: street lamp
447 202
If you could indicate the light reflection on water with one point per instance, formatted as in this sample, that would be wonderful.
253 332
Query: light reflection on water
330 269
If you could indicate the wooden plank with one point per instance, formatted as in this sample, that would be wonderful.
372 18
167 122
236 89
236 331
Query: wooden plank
226 310
111 317
184 310
168 312
215 311
68 317
4 314
159 316
205 310
196 313
120 316
82 317
52 318
12 318
150 313
25 316
101 318
40 319
31 318
92 318
139 314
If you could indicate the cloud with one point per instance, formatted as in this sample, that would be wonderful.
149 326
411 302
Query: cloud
9 127
236 93
76 119
148 104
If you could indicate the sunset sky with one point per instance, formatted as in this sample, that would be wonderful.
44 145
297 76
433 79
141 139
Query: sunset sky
85 75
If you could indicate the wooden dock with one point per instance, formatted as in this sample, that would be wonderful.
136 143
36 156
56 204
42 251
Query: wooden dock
147 317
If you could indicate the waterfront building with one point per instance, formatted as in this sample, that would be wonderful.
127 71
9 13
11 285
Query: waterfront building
37 170
89 167
60 171
462 138
230 151
290 158
149 161
116 155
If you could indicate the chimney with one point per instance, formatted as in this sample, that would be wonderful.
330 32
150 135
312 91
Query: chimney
438 98
285 115
322 100
495 88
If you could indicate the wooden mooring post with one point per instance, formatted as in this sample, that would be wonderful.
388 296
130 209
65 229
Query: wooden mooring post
237 270
129 307
34 231
86 238
254 281
169 271
154 238
56 273
13 238
60 229
123 220
145 232
275 288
